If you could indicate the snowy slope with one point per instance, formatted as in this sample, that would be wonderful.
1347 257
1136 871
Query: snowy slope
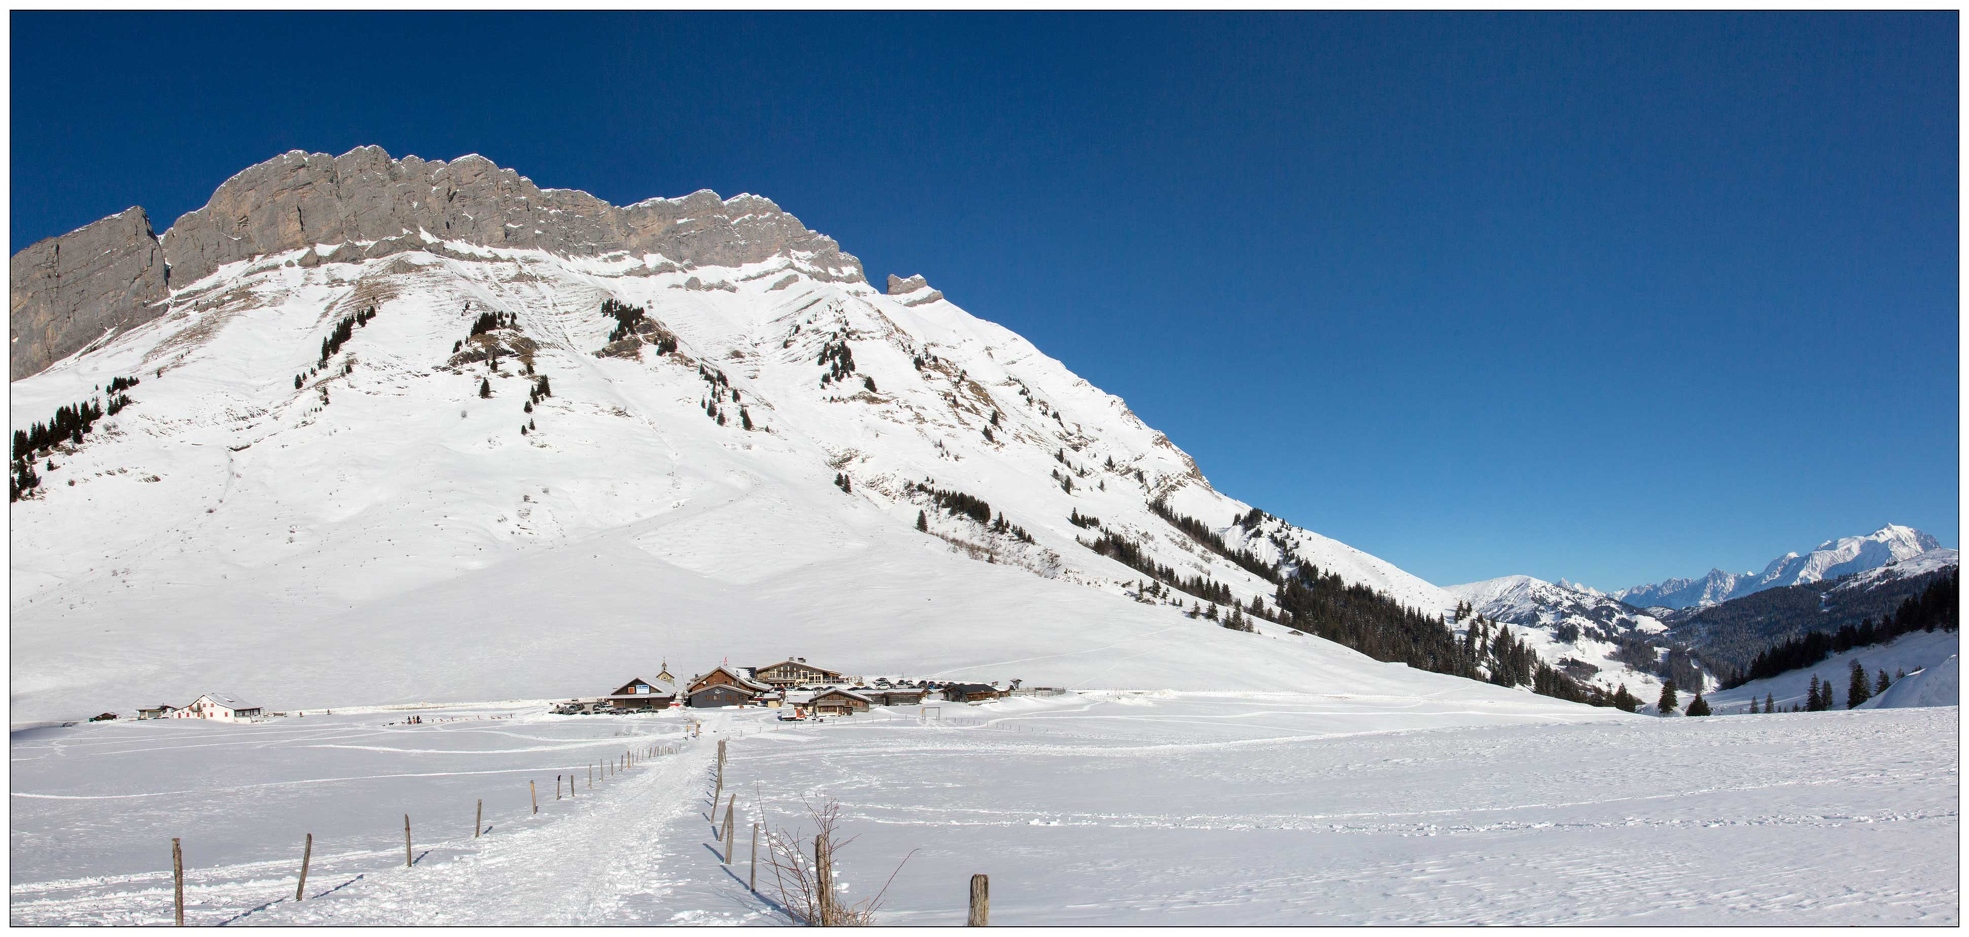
1574 628
387 534
1891 544
1911 653
1935 685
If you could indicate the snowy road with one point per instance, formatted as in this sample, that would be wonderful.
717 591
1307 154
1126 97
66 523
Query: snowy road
1101 808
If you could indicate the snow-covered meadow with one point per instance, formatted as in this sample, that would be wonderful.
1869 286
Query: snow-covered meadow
1086 808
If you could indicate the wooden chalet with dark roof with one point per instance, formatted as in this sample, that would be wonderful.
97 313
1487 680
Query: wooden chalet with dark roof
970 692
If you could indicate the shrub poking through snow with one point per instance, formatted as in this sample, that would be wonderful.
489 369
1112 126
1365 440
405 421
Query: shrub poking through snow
805 881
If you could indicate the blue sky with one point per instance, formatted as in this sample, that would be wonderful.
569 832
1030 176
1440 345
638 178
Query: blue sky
1609 297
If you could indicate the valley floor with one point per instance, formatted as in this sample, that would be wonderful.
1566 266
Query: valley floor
1094 808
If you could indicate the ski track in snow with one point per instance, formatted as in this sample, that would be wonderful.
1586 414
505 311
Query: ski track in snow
1098 808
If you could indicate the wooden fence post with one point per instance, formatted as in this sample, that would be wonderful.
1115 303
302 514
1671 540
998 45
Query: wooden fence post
178 879
307 852
731 833
753 880
980 902
478 820
824 879
591 777
407 862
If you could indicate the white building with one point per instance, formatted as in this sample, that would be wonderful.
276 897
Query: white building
221 706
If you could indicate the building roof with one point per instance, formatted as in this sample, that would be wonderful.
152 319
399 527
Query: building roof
837 691
227 700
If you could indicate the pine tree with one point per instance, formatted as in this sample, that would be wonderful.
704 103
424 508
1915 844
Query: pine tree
1770 704
1625 701
745 418
485 387
528 408
297 382
922 522
1698 706
1753 705
1880 686
1668 701
1858 689
1812 695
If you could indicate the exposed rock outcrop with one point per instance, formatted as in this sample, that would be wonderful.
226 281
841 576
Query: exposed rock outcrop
914 291
67 292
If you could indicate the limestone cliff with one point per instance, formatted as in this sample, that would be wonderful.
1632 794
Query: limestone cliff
65 293
68 291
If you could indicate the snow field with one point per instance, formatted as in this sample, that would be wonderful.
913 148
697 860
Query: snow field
1098 808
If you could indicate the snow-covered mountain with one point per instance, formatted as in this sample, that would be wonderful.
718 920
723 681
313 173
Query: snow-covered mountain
1890 544
413 430
1585 633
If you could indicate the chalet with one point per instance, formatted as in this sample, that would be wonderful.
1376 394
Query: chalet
838 702
640 694
970 692
159 711
794 672
738 678
891 695
221 706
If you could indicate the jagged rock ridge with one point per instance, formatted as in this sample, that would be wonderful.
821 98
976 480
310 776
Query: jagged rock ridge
365 204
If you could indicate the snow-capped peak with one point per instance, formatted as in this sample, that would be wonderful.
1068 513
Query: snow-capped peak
1892 543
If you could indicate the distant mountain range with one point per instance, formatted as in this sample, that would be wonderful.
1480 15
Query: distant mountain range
1892 544
1683 628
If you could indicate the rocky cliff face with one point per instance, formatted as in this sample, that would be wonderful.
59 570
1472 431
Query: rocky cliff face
68 291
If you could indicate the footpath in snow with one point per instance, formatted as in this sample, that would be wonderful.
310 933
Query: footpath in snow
1090 808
